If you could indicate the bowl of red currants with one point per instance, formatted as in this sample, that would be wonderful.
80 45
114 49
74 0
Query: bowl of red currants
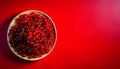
31 35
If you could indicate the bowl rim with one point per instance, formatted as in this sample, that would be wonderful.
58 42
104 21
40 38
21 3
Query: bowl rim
12 23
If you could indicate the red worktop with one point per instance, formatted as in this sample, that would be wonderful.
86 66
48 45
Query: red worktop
88 34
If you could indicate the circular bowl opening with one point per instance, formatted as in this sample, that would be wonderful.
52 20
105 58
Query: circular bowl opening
31 35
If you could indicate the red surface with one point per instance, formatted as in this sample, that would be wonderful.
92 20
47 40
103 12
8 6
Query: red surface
88 34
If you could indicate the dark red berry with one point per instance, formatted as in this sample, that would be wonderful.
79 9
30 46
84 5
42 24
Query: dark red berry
32 35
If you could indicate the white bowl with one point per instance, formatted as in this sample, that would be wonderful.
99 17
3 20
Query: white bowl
13 23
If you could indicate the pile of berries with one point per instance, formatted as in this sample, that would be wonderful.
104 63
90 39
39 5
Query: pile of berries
33 35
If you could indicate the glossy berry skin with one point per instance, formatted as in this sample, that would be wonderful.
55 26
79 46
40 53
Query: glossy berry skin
33 35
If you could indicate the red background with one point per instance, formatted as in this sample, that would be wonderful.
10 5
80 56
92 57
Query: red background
88 34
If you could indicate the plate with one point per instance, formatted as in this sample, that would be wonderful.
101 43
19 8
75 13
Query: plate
13 23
